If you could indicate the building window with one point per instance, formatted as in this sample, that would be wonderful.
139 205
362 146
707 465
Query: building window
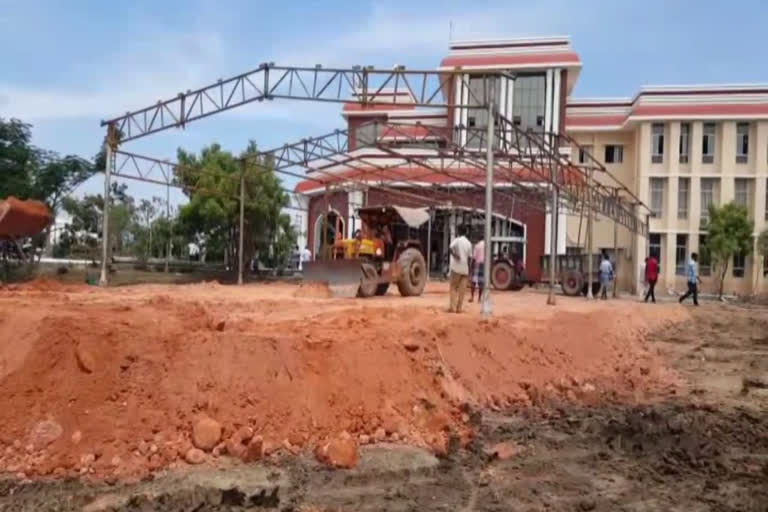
742 143
741 192
708 144
584 153
654 246
529 102
708 192
657 143
657 197
614 154
685 137
705 258
681 254
683 195
739 260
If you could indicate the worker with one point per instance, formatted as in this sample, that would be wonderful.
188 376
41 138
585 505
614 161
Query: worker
606 276
693 280
651 276
477 280
460 251
304 256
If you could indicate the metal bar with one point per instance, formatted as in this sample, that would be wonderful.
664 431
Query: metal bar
590 234
553 237
485 307
429 244
104 280
616 247
170 230
240 257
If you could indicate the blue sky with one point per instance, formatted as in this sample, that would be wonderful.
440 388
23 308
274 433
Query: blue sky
68 64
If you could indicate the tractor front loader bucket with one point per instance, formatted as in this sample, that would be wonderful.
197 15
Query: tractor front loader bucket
341 276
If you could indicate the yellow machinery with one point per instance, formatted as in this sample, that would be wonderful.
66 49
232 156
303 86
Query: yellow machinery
366 265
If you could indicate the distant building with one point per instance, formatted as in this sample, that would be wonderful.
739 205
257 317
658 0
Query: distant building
677 148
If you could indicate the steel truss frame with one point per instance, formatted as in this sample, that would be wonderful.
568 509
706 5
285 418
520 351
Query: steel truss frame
513 153
366 86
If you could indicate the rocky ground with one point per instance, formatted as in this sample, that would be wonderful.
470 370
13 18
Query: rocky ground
686 431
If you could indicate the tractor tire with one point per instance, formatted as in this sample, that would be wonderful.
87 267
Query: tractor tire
572 283
369 281
518 282
413 273
502 275
382 288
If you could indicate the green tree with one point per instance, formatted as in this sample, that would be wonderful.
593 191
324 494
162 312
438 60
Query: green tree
729 232
211 180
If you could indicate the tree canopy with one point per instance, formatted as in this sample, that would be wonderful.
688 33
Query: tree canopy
729 232
211 180
32 173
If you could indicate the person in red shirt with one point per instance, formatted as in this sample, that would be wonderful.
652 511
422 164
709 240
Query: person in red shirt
651 276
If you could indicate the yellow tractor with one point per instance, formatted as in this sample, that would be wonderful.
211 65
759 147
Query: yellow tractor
368 263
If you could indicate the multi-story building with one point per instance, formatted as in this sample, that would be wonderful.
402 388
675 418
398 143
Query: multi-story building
679 149
685 148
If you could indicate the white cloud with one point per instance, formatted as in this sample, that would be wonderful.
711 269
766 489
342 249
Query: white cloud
163 62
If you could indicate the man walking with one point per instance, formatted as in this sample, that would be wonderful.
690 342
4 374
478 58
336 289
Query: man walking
651 276
606 275
693 280
478 277
460 250
304 256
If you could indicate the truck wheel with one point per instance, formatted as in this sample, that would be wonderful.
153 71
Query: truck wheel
413 273
369 281
382 288
502 275
572 283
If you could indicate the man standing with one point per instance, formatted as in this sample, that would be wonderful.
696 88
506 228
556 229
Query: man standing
304 256
460 250
693 280
606 275
651 276
477 281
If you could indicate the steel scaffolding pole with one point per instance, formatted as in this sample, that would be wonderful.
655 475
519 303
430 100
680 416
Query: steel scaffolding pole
104 279
553 217
240 258
590 234
170 230
616 247
485 307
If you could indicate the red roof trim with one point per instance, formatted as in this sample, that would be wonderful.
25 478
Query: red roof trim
376 106
522 44
704 110
405 174
594 120
517 59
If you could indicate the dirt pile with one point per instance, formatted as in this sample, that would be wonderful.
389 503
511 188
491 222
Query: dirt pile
296 373
23 218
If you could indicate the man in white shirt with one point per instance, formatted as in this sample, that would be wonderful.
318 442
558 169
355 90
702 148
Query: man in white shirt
304 255
461 251
606 276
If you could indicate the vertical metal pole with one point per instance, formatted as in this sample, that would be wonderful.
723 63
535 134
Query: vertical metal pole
103 280
615 242
590 241
170 230
554 213
240 257
485 307
635 267
429 244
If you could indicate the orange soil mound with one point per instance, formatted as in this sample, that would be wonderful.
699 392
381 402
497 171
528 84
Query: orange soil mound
121 371
23 218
